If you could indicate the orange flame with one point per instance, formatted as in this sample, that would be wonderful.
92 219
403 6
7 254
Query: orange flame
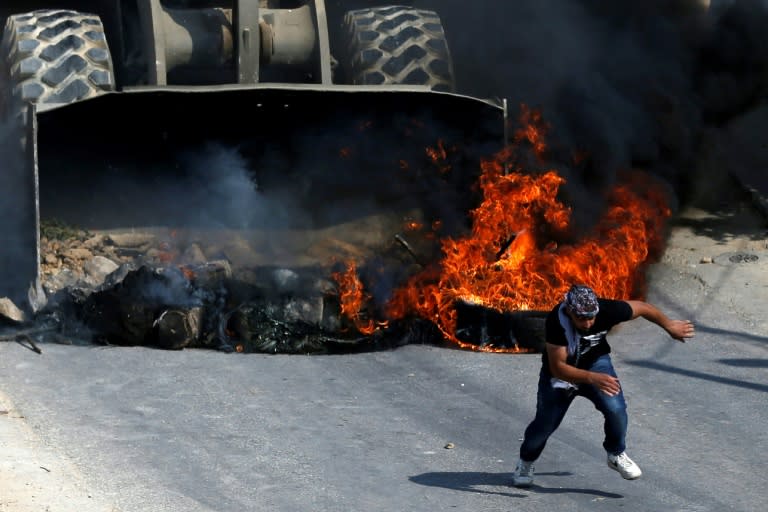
533 130
412 225
439 155
188 273
525 276
353 298
511 260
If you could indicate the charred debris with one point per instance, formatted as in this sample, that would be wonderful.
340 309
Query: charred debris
140 290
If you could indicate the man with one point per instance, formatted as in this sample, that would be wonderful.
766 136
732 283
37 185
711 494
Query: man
577 362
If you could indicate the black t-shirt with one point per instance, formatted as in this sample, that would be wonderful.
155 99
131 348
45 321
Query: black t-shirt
593 343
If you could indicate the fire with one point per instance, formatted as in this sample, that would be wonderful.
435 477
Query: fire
413 225
438 155
167 253
188 273
515 257
533 130
527 275
353 299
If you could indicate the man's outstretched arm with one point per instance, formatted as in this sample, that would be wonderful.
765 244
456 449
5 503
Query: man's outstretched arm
677 329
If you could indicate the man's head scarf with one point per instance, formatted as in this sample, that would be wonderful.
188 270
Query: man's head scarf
581 300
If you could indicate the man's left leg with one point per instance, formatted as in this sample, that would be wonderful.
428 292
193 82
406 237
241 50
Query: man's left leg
614 410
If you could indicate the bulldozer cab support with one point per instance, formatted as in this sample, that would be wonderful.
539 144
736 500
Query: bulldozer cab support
245 20
35 294
154 42
20 214
323 43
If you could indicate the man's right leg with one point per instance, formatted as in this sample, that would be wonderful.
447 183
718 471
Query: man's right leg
551 406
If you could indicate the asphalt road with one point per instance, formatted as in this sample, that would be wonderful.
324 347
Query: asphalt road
149 430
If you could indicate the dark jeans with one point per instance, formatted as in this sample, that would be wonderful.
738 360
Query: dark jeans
552 404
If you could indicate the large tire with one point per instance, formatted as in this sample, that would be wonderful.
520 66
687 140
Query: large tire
396 45
53 57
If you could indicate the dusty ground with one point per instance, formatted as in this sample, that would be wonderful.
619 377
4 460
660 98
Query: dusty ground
721 243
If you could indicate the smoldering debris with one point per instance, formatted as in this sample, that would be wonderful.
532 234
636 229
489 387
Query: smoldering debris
205 306
174 290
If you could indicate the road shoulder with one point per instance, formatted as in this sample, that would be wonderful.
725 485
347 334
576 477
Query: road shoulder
32 477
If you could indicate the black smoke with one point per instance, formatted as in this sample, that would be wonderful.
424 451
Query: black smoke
631 84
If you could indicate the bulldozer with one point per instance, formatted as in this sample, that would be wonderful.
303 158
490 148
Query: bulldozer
90 88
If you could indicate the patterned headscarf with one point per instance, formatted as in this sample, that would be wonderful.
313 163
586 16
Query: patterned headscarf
582 301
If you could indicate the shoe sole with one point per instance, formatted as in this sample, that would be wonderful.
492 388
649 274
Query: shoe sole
522 485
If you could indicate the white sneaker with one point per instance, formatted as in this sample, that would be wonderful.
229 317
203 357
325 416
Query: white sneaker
523 476
624 465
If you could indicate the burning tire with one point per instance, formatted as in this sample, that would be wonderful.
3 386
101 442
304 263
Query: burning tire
53 57
397 45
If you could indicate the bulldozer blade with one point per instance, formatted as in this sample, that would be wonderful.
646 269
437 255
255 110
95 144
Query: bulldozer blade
239 157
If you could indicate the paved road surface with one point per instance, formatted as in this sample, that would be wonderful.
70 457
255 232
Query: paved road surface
142 430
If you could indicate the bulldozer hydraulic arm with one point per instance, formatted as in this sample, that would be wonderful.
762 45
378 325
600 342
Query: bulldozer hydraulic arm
233 41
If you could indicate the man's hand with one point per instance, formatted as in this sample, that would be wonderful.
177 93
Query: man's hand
680 329
608 384
560 369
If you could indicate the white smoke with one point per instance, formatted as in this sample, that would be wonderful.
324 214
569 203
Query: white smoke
218 190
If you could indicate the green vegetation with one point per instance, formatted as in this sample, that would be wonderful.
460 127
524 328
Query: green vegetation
54 229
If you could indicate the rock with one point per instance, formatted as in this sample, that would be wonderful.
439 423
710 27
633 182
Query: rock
193 255
93 243
57 281
130 240
98 268
78 253
10 311
52 260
